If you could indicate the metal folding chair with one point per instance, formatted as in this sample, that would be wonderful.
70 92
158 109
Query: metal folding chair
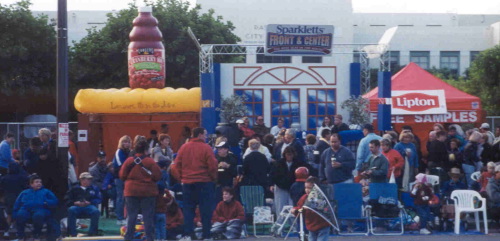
350 208
389 191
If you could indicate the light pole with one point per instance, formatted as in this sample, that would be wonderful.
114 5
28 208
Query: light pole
62 95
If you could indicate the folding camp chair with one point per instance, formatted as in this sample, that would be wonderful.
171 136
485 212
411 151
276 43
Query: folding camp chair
387 191
350 206
285 218
252 197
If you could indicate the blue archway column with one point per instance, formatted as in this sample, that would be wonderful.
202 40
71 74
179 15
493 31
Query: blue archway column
211 99
384 110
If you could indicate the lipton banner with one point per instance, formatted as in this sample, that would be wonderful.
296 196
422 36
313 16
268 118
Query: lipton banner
292 39
317 202
411 102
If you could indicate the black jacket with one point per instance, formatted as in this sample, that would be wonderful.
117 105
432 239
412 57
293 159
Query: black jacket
256 170
438 154
299 149
225 176
91 194
284 177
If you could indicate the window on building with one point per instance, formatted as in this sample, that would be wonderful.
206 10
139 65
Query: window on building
320 103
421 58
473 56
254 102
450 60
269 59
392 58
285 103
312 59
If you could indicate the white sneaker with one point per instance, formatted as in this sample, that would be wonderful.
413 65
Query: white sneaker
185 238
425 231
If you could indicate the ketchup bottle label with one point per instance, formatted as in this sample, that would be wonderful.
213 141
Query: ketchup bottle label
146 68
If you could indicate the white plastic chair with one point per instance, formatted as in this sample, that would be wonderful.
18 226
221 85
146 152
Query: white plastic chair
465 202
475 176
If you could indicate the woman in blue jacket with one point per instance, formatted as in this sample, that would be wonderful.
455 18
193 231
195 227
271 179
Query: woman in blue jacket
120 156
34 204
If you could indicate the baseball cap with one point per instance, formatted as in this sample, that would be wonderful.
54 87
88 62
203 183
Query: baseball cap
223 144
485 126
101 154
85 175
240 121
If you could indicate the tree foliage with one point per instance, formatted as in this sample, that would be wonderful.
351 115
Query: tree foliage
359 109
484 79
100 59
232 108
28 56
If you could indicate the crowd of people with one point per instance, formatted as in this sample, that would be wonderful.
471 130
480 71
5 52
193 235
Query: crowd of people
194 193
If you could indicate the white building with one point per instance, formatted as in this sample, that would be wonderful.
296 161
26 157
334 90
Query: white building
305 89
271 83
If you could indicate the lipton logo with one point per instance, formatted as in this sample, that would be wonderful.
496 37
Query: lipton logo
415 102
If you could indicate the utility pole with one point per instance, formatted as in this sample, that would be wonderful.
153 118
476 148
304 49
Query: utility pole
62 98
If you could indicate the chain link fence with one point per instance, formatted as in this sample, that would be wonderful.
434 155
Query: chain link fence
24 131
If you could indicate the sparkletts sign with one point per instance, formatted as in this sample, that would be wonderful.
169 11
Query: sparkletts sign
305 40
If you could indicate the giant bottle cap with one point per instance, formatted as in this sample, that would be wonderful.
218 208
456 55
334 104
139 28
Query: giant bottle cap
145 9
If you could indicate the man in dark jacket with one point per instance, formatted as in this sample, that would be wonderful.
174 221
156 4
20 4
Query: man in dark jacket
339 125
337 163
493 191
438 153
260 128
82 202
99 169
378 166
226 168
289 140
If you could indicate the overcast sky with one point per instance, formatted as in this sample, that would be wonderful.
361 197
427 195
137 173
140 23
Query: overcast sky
374 6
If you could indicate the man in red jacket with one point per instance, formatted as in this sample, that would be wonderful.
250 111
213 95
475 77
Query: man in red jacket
196 168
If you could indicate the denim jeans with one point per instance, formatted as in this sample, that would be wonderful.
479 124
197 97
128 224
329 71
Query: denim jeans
38 217
147 207
119 199
468 170
320 235
89 211
202 194
424 212
160 226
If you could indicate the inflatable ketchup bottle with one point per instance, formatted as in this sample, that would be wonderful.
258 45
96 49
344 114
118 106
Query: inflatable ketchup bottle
146 54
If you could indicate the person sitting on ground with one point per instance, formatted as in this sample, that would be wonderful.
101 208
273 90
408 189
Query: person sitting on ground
82 201
35 204
297 188
12 185
175 218
453 184
318 228
422 194
493 191
228 217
